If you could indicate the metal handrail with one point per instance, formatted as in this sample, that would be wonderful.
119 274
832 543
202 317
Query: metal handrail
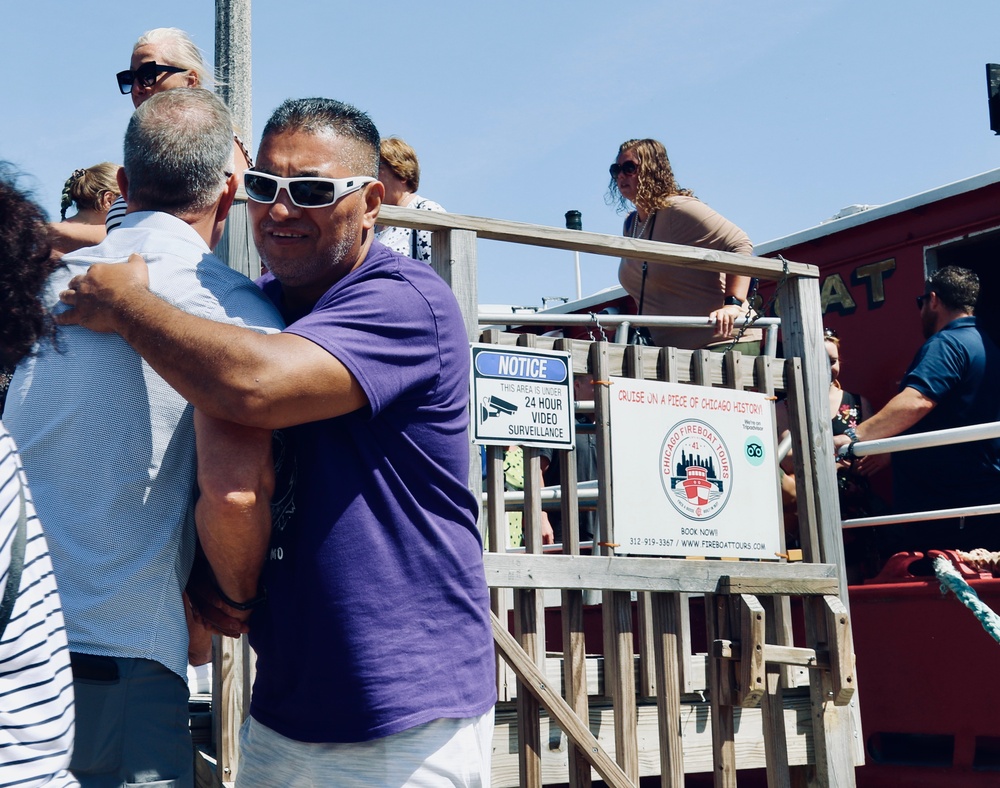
624 322
926 440
916 517
589 318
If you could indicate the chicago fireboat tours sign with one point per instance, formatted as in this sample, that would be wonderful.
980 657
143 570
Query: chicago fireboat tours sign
694 471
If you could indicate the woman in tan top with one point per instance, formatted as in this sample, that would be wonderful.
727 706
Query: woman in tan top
642 176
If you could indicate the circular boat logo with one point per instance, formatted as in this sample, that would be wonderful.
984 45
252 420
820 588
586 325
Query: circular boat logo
695 469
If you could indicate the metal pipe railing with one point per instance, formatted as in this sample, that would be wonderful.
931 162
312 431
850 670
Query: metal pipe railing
594 318
916 517
926 440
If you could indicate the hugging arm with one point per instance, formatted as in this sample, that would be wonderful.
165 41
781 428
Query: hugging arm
228 372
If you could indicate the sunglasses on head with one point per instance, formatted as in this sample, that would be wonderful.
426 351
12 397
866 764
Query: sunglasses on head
629 168
145 75
303 192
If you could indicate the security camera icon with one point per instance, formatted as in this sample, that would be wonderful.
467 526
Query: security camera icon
494 406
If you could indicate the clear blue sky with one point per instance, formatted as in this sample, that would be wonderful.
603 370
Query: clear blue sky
777 114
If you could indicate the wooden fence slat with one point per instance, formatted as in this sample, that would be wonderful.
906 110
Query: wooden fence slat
618 653
835 745
752 668
667 660
528 718
574 642
230 695
779 608
535 681
775 734
720 688
841 654
647 670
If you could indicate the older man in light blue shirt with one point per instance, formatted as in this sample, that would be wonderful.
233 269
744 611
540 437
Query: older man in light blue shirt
109 449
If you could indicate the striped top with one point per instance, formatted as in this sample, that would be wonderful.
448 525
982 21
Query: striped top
116 213
36 686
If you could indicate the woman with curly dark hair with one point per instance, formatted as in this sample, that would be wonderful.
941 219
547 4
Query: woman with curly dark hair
25 266
38 717
642 176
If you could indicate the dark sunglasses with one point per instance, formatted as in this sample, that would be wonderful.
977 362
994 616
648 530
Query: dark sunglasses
829 333
145 75
921 299
629 168
303 192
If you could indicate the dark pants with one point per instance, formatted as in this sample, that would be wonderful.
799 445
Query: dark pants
132 724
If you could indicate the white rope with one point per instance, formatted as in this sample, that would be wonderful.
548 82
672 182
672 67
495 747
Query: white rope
952 581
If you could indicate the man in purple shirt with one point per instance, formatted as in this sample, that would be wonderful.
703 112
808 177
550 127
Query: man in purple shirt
375 653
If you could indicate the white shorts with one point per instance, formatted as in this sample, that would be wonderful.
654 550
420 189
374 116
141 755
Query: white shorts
438 754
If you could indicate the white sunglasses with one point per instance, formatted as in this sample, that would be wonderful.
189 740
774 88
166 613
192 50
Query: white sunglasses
305 192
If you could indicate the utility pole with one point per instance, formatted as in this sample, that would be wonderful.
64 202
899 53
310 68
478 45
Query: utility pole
232 61
232 663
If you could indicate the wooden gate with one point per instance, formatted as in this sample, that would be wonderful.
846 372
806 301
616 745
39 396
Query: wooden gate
684 701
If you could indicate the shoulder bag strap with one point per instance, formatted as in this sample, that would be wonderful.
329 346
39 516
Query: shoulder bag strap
17 546
413 233
645 265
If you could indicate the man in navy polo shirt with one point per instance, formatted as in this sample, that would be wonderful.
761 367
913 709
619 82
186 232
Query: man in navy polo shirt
953 381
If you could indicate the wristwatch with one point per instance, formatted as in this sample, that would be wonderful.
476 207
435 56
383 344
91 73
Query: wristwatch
852 434
732 301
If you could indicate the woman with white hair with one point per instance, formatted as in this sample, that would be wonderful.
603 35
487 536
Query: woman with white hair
163 59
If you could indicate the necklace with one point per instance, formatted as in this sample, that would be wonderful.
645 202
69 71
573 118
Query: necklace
642 229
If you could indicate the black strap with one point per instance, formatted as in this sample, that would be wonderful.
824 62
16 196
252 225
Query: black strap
413 234
645 265
13 586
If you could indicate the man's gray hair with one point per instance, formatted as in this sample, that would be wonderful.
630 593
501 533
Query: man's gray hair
178 149
329 116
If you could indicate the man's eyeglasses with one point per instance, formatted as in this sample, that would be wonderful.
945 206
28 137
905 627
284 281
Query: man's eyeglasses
922 299
145 75
629 168
303 192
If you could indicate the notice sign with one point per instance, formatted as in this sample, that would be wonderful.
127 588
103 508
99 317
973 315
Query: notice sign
694 471
522 396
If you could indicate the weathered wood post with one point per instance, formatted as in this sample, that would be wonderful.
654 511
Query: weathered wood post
232 60
836 729
233 661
